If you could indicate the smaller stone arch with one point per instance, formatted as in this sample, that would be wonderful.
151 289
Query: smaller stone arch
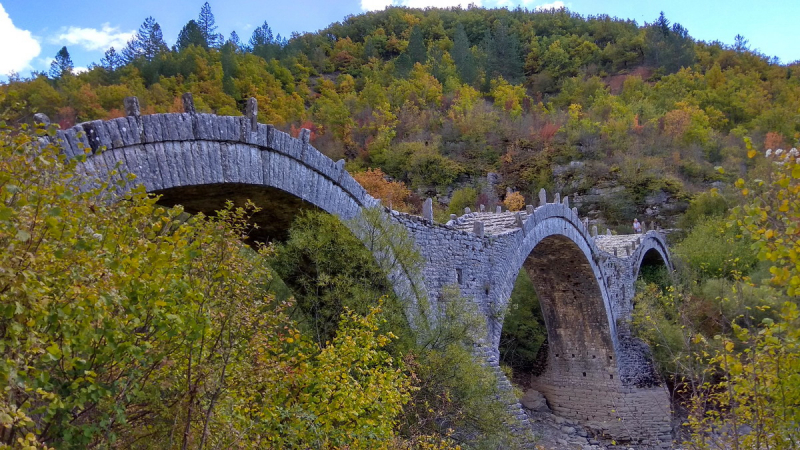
651 252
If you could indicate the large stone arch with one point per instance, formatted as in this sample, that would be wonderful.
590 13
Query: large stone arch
202 160
590 369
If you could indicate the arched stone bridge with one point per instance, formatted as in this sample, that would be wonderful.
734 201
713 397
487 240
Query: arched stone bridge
595 371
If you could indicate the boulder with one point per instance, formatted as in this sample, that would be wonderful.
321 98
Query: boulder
534 400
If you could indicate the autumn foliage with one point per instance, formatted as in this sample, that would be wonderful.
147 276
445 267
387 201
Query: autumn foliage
514 201
392 194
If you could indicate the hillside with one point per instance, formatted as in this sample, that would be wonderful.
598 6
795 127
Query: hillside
633 118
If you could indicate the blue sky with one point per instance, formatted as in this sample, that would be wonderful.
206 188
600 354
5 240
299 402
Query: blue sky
32 31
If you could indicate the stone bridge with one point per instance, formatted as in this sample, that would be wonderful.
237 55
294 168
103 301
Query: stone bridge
593 371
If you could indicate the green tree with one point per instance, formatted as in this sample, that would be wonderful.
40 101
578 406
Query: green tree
417 51
207 25
462 56
148 42
191 34
111 60
755 403
123 322
503 54
62 65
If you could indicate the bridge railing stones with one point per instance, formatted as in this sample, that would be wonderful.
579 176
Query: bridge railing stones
133 130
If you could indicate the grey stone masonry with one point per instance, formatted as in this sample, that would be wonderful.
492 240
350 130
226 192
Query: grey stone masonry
596 372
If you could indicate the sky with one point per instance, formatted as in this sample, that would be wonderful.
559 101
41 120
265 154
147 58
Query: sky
32 31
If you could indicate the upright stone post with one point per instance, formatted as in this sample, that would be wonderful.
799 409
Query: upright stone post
498 209
483 208
529 209
644 227
305 135
542 197
477 228
427 209
627 251
557 198
594 230
566 201
467 210
653 226
518 219
608 231
132 107
251 111
41 119
188 103
453 217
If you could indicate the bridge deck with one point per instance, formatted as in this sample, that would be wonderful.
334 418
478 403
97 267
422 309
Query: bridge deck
504 222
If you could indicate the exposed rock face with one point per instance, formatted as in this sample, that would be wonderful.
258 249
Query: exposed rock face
592 373
601 198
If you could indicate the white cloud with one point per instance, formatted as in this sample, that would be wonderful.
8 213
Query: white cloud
555 5
77 70
94 39
17 47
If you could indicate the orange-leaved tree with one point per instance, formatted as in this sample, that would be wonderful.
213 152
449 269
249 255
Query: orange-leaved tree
393 194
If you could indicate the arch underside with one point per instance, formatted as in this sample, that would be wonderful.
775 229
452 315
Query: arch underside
581 377
572 304
278 208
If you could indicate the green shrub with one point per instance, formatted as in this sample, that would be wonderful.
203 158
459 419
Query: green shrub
712 250
704 206
462 198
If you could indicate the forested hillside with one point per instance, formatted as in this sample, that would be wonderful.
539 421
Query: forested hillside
442 96
135 325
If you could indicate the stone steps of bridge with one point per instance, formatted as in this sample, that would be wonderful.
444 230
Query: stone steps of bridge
493 223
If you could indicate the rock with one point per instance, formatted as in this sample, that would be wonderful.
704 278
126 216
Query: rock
562 442
568 430
534 400
560 420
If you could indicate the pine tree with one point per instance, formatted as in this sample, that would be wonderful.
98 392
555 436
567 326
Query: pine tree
208 26
148 42
462 56
191 34
230 69
503 55
740 44
416 46
111 60
261 36
234 39
62 64
263 43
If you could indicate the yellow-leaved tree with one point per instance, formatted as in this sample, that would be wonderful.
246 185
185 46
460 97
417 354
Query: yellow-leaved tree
755 402
126 323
